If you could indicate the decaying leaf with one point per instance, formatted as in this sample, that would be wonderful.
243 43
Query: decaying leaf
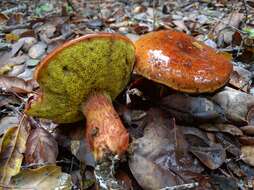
192 110
241 78
248 129
224 183
162 151
14 84
246 140
220 127
73 140
213 157
247 154
41 147
149 175
235 103
46 177
230 143
250 116
12 148
8 122
211 154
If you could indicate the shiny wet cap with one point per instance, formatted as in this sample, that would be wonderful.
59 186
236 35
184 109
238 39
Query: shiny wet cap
181 62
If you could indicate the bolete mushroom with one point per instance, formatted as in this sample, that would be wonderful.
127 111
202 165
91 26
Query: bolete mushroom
181 62
84 75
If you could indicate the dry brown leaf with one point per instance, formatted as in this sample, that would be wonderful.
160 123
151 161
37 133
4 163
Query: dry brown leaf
221 127
241 78
7 122
246 140
247 154
3 18
248 129
192 110
12 148
233 19
41 147
46 177
235 103
14 84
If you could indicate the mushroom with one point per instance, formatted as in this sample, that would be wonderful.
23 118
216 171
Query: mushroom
181 62
85 75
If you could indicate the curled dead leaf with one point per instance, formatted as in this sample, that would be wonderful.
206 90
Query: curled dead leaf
14 84
12 148
46 177
41 147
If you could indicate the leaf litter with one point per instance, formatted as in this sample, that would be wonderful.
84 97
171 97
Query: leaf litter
179 141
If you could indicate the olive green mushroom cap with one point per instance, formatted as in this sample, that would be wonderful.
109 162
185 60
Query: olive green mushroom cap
68 75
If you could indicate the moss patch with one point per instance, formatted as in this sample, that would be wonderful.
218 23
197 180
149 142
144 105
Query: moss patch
95 64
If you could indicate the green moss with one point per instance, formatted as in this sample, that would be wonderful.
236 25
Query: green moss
95 64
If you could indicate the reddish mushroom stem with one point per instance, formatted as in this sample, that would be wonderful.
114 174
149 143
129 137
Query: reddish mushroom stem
104 129
107 137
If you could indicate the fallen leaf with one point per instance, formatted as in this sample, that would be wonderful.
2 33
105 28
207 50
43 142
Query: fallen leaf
212 157
248 129
180 25
73 140
12 148
250 116
3 18
41 147
37 50
14 84
6 68
246 140
95 24
11 37
46 177
211 154
16 70
241 78
192 110
235 103
230 143
16 47
224 183
162 151
27 74
8 122
233 19
155 177
247 154
220 127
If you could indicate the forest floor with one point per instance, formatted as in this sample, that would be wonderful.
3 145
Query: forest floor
177 141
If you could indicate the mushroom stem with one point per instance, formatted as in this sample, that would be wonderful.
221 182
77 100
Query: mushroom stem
105 133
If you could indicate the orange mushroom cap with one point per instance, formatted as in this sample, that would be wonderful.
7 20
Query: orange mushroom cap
181 62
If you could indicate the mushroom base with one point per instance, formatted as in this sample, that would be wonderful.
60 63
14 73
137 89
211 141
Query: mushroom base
104 129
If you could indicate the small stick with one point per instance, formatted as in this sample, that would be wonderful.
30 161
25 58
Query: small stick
181 187
15 9
245 10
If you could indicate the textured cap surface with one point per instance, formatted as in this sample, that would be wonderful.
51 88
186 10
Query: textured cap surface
94 62
181 62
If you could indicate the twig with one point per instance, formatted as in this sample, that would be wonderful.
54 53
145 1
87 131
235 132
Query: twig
181 187
15 9
245 10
